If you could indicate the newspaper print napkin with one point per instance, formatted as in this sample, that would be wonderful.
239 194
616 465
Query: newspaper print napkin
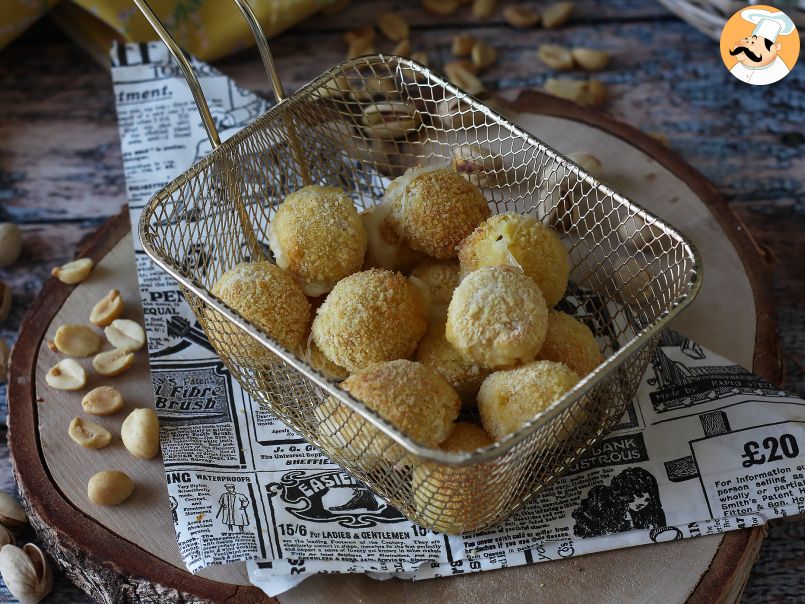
705 447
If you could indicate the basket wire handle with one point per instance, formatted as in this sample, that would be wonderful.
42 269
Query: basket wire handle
187 70
262 45
276 83
195 87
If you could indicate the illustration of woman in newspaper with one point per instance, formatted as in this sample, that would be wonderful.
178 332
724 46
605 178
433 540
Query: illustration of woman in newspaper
174 506
630 502
232 509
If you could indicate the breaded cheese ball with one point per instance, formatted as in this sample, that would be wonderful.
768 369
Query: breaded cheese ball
268 297
497 317
436 352
509 399
521 241
434 209
370 317
385 248
571 342
413 398
455 499
318 236
344 432
441 278
316 359
466 436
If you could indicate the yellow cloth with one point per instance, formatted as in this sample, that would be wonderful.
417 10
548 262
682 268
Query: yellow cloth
206 28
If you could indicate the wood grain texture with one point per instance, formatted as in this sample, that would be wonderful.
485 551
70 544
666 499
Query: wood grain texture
75 532
665 78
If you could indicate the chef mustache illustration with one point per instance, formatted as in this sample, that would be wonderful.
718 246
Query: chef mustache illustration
758 54
755 58
756 49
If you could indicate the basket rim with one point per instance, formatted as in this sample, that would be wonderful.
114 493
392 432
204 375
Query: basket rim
499 448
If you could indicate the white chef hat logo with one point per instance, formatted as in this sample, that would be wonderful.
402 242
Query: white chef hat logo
768 24
759 45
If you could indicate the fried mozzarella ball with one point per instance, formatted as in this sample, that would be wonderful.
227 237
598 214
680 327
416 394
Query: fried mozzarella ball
413 398
342 431
370 317
385 248
521 241
433 209
509 399
497 317
571 342
436 352
441 279
268 297
466 436
455 499
316 359
318 236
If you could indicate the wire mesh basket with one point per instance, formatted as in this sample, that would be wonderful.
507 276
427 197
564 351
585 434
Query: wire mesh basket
631 273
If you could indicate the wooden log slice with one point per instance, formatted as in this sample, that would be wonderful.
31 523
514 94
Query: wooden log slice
129 554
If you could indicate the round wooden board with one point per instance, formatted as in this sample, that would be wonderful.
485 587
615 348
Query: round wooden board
129 553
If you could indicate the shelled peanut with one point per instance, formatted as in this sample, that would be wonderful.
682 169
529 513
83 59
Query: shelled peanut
89 434
104 400
107 309
591 93
110 487
140 430
10 243
140 433
73 272
561 58
556 15
520 15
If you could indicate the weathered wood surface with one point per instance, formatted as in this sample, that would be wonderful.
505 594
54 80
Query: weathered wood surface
60 170
80 536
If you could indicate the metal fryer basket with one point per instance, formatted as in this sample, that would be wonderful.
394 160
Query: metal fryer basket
631 273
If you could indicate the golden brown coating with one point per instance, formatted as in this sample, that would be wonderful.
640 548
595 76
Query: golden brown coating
509 399
466 436
441 278
521 241
434 209
386 249
436 352
413 398
344 432
497 317
571 342
370 317
268 297
318 236
316 359
454 499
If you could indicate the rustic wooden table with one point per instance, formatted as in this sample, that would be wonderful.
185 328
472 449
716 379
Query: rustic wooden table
61 173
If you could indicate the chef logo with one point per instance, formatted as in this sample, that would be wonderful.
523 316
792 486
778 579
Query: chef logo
332 496
760 45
